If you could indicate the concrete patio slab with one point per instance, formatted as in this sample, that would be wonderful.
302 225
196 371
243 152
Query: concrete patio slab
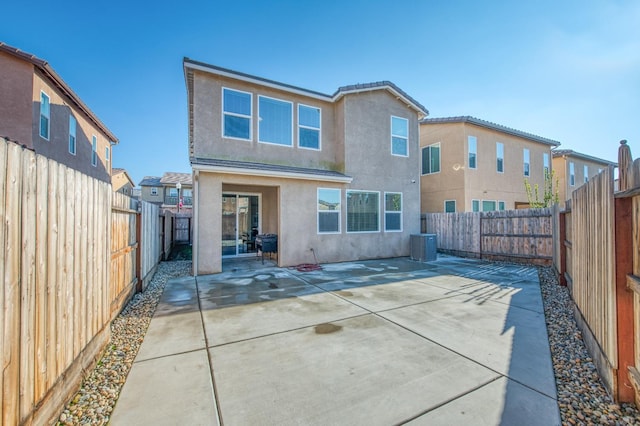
168 391
502 402
454 341
254 320
507 339
360 371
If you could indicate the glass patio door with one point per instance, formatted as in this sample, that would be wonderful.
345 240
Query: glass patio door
240 223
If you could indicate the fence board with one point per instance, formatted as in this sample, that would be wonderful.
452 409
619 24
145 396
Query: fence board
3 178
41 308
11 366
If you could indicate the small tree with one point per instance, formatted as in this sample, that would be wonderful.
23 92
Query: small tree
550 194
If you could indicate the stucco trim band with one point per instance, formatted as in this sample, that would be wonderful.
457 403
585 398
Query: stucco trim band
271 173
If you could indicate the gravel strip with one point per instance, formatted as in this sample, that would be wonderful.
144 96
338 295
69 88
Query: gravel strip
582 398
94 402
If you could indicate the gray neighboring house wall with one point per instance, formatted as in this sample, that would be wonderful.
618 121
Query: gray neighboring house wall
163 191
332 175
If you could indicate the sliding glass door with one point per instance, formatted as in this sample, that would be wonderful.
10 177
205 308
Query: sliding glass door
240 223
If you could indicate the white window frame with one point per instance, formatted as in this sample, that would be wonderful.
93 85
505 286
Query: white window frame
572 174
526 162
260 119
73 125
585 170
94 150
107 153
43 95
398 212
478 205
319 129
472 140
361 191
154 190
406 138
439 145
499 156
455 206
546 169
234 114
503 205
338 212
495 205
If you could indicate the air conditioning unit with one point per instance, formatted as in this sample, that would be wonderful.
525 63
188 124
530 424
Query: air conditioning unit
424 247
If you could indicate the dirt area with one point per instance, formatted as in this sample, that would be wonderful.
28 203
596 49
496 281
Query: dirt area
181 252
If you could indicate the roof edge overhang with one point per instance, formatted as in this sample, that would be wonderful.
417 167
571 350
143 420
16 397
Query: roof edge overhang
212 69
575 154
492 126
270 173
422 112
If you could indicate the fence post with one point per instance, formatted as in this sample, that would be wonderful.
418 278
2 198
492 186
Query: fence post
624 297
138 251
563 248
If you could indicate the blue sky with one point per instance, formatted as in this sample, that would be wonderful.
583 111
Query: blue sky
566 70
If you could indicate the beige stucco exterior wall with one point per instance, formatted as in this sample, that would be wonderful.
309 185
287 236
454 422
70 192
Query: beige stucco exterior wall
145 194
57 147
209 143
16 86
484 183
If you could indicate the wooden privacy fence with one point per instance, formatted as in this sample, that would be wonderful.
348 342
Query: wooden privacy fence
511 235
68 250
598 257
150 237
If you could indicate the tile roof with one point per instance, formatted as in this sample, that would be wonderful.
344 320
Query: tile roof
173 177
354 88
150 181
59 82
490 125
231 164
571 153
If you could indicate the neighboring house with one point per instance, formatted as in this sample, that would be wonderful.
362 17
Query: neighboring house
121 181
470 164
40 111
573 169
334 176
164 192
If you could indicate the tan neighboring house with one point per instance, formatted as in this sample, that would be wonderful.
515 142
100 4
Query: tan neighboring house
335 177
468 164
573 169
40 111
121 181
173 192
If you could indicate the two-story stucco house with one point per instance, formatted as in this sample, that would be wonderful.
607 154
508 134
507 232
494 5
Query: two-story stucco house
40 111
573 169
121 181
468 164
173 191
335 176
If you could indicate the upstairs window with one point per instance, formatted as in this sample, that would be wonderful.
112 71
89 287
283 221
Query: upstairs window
545 161
236 114
501 205
472 144
154 191
431 159
499 157
308 127
72 135
45 115
393 211
363 211
572 174
275 122
107 154
526 161
94 151
475 205
399 136
585 170
328 211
